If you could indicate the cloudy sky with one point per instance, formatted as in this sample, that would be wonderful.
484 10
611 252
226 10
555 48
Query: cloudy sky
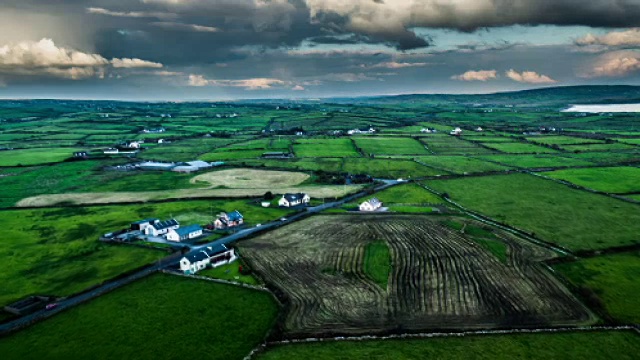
227 49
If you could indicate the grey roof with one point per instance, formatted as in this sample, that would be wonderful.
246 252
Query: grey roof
185 231
165 224
294 197
374 202
207 253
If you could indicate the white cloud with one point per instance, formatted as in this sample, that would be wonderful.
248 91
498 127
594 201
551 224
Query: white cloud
131 14
479 75
248 84
44 57
529 77
298 88
397 65
185 27
617 63
134 63
629 37
167 73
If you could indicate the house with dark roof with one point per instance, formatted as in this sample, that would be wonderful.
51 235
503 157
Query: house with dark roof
141 225
291 200
372 204
184 233
228 220
212 256
158 228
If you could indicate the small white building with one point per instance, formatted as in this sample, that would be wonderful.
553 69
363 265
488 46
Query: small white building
184 233
479 129
372 204
213 256
291 200
456 132
158 228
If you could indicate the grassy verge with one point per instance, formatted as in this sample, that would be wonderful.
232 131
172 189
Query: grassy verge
229 272
377 262
158 317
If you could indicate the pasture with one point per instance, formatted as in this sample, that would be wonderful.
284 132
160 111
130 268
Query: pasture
390 146
568 346
519 148
220 321
250 179
321 267
26 157
615 180
613 279
343 147
571 218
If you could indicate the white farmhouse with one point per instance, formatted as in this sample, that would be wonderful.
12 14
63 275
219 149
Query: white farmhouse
213 256
184 233
291 200
456 132
372 204
158 228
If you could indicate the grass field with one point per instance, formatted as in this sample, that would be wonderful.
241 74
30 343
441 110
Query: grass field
26 157
56 251
616 180
388 168
460 164
598 147
390 146
536 161
562 140
229 272
583 345
250 179
377 262
613 278
158 317
408 194
572 218
519 148
325 148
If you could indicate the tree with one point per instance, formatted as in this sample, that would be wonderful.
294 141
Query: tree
268 195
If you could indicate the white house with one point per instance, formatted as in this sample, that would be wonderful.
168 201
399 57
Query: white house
158 228
184 233
456 132
111 151
213 256
479 129
290 200
372 204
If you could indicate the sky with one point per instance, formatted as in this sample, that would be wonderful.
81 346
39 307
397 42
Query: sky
235 49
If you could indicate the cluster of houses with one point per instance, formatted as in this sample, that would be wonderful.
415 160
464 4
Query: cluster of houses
293 200
358 131
169 229
427 130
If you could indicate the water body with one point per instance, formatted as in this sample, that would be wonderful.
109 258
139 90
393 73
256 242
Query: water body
608 108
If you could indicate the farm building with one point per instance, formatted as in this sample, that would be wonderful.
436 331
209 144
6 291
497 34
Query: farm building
227 220
111 151
291 200
456 132
372 204
191 166
358 131
153 165
184 233
141 225
211 256
158 227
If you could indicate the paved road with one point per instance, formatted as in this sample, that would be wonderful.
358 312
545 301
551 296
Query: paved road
173 260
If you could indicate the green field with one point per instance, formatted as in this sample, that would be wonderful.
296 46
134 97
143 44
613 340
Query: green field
571 218
229 272
27 157
158 317
390 146
578 345
562 140
408 194
389 169
613 280
325 148
377 262
616 180
460 164
56 251
519 148
535 161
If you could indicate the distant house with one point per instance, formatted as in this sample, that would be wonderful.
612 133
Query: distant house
213 256
479 129
428 131
265 204
80 155
111 151
358 131
456 132
228 220
184 233
154 165
372 204
291 200
158 228
154 131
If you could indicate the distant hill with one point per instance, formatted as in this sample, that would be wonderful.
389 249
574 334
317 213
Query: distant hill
545 97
